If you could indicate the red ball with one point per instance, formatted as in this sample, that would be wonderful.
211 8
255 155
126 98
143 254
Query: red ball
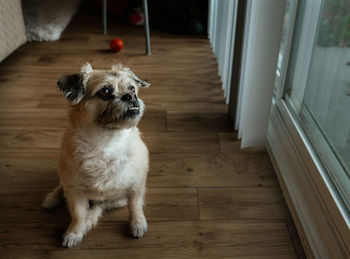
116 44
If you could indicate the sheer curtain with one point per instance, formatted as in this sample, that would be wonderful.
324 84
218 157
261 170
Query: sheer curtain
221 31
264 21
262 35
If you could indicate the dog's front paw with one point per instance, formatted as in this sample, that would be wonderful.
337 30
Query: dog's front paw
138 228
70 239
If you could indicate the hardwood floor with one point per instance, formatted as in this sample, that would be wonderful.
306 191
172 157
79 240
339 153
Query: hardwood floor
206 197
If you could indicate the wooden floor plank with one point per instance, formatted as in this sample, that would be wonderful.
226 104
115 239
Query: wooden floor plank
272 252
180 121
33 119
27 169
162 204
153 120
211 170
190 239
178 142
34 140
262 203
229 144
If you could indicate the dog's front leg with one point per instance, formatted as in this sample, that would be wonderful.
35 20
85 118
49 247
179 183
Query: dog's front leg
137 220
78 208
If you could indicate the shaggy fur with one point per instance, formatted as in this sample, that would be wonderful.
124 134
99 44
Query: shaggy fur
45 20
103 161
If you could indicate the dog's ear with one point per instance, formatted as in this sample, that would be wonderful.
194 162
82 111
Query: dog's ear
74 86
139 82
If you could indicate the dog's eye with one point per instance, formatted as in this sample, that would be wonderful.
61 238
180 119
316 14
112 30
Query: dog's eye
104 92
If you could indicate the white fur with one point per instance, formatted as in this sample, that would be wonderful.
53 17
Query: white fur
107 167
102 161
45 20
86 70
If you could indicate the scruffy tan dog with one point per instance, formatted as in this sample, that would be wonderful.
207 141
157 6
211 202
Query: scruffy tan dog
103 161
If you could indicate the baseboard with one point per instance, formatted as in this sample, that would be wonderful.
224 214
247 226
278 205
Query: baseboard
290 205
312 213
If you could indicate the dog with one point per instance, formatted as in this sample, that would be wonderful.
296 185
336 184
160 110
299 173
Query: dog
103 161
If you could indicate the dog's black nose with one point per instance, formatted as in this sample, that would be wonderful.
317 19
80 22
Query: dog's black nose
129 97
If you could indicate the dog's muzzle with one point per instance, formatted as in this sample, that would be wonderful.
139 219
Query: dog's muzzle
133 104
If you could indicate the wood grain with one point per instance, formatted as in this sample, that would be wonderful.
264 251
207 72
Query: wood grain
24 169
178 142
162 204
261 252
33 140
262 203
164 240
211 170
199 121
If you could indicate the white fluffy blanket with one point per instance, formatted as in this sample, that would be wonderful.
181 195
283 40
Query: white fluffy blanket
45 20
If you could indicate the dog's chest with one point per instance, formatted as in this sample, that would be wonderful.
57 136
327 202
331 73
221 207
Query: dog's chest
103 169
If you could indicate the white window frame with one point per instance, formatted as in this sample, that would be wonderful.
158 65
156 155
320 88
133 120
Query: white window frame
321 217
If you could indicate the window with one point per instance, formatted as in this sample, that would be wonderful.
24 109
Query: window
309 126
321 100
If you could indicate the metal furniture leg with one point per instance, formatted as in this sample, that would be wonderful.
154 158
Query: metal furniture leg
148 39
104 16
147 32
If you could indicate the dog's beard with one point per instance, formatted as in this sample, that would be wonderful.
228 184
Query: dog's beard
119 114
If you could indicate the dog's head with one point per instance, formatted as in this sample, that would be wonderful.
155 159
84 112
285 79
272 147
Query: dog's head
108 98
